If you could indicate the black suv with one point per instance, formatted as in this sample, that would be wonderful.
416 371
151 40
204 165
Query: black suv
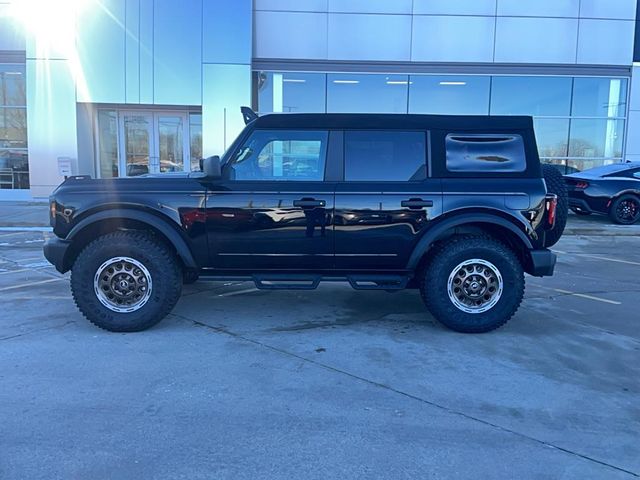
455 206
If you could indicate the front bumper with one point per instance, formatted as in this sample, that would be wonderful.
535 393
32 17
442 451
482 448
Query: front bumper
543 262
55 251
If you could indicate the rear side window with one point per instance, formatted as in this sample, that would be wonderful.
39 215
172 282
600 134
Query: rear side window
480 152
384 156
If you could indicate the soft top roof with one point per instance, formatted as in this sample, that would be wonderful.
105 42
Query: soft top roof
392 121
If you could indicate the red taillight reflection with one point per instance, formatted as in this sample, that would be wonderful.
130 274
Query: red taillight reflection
582 185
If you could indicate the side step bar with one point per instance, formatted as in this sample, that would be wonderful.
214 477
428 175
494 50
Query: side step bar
303 281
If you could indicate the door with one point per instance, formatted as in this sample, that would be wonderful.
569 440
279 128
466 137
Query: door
385 201
153 142
273 210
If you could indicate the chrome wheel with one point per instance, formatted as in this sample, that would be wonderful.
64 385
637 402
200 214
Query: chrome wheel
475 286
122 284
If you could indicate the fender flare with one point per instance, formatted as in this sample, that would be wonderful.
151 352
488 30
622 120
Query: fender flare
427 240
160 224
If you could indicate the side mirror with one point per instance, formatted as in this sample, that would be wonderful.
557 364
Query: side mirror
211 167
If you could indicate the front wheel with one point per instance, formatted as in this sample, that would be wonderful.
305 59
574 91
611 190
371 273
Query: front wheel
126 281
625 210
473 284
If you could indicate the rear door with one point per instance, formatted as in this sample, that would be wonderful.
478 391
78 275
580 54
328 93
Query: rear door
273 209
386 199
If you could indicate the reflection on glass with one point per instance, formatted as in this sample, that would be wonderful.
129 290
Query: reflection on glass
596 138
281 155
452 95
137 144
170 143
12 85
14 169
577 164
291 92
552 136
108 143
542 96
599 97
347 93
13 127
195 140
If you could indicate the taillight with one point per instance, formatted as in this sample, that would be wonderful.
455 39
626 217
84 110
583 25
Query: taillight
582 185
551 202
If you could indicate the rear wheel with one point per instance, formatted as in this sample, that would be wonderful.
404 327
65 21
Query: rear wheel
555 184
625 210
473 284
126 281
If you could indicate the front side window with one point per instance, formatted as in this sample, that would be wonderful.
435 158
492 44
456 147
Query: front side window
281 155
484 152
384 156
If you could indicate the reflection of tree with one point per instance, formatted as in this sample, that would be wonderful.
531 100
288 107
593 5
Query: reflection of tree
579 147
14 119
557 150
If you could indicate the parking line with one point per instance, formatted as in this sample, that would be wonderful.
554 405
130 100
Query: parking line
590 297
608 259
238 292
26 229
30 284
17 271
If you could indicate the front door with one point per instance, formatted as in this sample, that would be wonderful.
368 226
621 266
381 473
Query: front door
153 142
273 210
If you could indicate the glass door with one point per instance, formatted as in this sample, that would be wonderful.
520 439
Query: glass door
137 144
171 148
153 142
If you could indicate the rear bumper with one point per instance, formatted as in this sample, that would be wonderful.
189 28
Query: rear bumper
580 204
55 251
543 262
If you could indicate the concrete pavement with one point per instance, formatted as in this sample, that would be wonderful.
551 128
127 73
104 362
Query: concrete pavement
333 383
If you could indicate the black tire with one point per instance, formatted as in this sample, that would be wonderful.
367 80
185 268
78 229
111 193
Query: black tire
625 209
165 277
556 184
580 212
443 263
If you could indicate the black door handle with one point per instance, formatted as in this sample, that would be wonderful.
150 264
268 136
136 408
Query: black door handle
416 203
309 203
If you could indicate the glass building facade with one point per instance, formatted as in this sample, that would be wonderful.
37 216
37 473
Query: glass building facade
126 87
579 121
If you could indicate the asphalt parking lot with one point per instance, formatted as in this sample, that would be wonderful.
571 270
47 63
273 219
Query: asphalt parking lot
333 383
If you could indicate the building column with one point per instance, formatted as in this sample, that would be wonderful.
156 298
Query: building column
632 151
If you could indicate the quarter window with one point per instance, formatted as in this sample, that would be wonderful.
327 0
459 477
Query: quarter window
484 153
384 156
281 155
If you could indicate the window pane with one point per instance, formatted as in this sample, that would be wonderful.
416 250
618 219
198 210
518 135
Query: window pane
580 165
14 169
541 96
195 141
552 136
108 143
599 97
476 152
392 156
171 144
350 93
13 127
12 85
454 95
596 138
291 92
281 155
